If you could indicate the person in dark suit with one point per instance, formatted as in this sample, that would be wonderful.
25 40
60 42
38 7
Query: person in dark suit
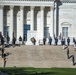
14 41
63 42
20 40
56 41
44 41
50 40
68 41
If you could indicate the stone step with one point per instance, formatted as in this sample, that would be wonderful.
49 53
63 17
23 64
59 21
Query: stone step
38 56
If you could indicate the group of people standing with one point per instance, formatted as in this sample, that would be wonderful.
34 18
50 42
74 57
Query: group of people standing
50 41
33 40
6 41
14 41
56 41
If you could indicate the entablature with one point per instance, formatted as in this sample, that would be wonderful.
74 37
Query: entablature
27 3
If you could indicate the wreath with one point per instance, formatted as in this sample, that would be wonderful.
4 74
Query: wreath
32 40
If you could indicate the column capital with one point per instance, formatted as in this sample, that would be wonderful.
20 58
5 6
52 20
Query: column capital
32 7
52 7
42 7
1 6
11 7
21 7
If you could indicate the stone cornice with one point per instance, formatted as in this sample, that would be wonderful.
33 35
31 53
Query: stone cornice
65 1
68 1
33 2
27 3
27 0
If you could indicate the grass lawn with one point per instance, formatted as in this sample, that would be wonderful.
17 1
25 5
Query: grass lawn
38 71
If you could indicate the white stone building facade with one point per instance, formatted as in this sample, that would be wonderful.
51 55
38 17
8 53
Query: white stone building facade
38 18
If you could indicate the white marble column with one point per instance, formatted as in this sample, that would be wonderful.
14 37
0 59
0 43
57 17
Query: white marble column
1 19
21 20
55 19
51 30
20 23
32 18
11 23
42 23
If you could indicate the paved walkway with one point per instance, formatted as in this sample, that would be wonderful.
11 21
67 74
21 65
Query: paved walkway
38 56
